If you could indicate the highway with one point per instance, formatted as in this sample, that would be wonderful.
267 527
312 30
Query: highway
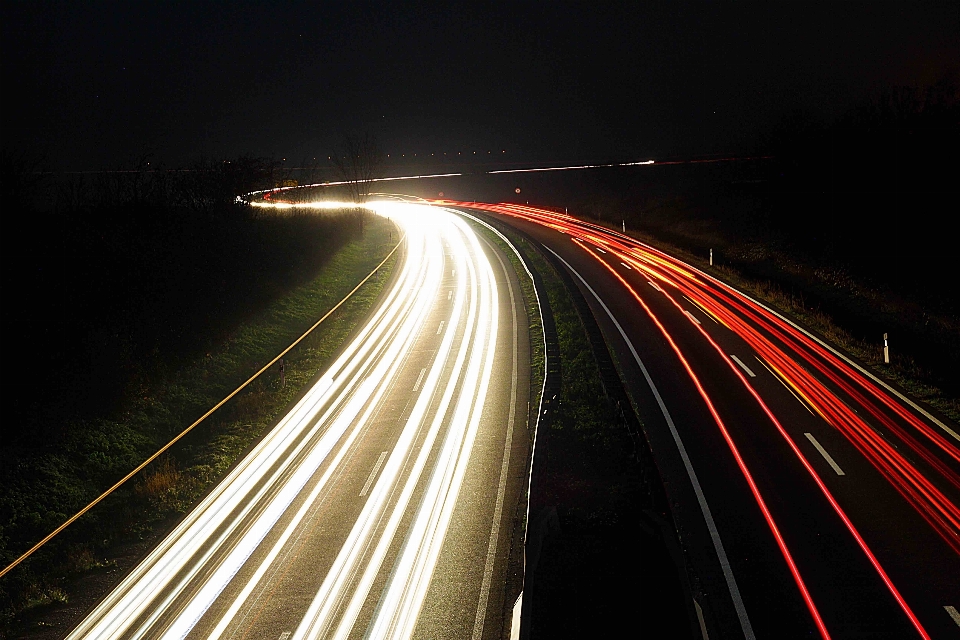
382 504
811 498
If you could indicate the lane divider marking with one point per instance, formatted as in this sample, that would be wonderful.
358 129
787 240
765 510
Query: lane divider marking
449 294
416 387
440 328
742 366
627 266
654 285
826 456
725 566
691 316
787 387
366 485
702 308
952 612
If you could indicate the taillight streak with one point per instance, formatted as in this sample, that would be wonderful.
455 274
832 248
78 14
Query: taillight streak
736 312
771 523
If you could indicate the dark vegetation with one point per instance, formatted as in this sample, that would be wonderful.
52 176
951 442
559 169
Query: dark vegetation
849 219
135 301
590 508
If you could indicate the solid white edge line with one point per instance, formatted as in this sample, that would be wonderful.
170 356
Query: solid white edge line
517 607
504 468
373 474
826 456
743 366
691 473
953 613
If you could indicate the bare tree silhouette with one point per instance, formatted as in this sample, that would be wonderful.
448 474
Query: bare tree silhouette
358 161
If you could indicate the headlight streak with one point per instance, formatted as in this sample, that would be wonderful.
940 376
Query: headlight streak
322 613
736 311
400 606
385 371
136 593
183 578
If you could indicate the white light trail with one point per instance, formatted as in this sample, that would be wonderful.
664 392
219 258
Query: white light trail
192 576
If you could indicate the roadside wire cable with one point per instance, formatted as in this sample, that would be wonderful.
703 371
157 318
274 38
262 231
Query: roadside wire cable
206 415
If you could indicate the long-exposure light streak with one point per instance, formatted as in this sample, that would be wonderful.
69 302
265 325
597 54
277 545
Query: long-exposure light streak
271 494
765 331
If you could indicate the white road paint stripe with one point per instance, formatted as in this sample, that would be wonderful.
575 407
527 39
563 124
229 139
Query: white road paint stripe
626 265
826 456
953 434
285 635
449 294
654 285
688 466
600 250
785 385
373 474
743 366
504 468
440 328
416 387
952 612
700 306
691 316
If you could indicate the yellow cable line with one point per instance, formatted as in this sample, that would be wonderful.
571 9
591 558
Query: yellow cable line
199 420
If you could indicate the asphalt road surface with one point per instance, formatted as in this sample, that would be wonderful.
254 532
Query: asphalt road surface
813 500
382 504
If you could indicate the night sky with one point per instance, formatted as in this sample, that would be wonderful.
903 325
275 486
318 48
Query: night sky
96 85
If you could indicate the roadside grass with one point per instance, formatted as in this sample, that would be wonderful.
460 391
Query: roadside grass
593 479
903 370
44 489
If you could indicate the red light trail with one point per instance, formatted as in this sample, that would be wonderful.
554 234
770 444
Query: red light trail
796 362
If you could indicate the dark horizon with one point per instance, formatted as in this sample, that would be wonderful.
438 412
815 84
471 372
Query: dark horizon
102 86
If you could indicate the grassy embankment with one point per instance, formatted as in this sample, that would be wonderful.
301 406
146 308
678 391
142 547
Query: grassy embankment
903 369
592 476
45 482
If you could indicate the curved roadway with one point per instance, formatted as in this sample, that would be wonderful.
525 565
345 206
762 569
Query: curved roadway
812 499
381 505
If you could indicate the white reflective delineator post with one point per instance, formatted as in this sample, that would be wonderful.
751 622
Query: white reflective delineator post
886 350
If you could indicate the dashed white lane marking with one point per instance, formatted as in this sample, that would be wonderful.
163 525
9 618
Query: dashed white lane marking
743 366
725 566
285 635
691 316
627 266
600 250
701 307
785 385
952 612
654 285
366 486
440 328
416 387
826 456
449 294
